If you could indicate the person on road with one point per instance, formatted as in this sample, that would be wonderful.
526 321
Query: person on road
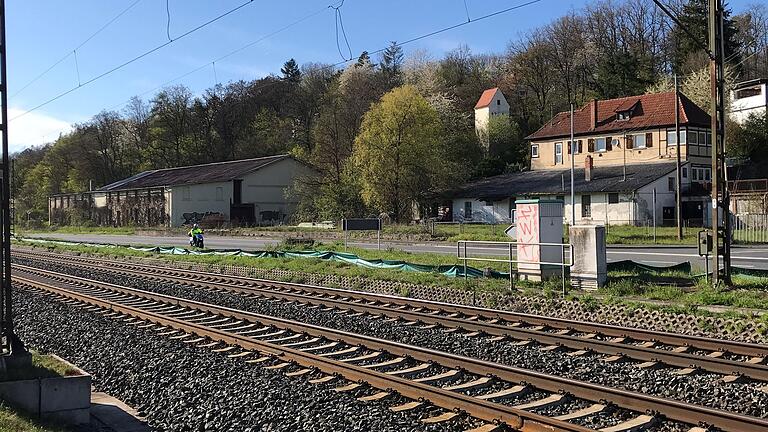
195 230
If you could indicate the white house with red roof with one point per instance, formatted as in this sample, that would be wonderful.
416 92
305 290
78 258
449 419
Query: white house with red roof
491 103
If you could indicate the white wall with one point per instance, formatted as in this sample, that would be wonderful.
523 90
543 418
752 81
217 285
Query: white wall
267 187
742 108
497 212
201 198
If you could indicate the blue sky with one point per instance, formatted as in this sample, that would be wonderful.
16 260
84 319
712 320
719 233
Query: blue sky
40 32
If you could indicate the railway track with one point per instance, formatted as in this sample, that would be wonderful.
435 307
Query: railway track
457 384
734 360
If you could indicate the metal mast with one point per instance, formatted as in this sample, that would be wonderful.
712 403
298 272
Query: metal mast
721 234
8 339
678 190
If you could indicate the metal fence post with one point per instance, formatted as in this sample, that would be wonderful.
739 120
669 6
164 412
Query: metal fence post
511 276
562 266
465 260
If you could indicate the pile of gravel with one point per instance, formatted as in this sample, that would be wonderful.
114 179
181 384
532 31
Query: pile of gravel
180 387
703 389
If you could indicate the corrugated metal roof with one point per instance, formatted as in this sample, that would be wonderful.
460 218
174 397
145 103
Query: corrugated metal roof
194 174
550 182
652 111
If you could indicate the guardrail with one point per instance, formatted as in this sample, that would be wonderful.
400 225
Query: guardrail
488 251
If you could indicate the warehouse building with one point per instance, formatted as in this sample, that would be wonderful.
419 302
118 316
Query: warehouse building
241 192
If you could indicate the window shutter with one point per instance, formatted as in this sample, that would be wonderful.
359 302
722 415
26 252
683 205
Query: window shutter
590 145
608 146
630 142
649 139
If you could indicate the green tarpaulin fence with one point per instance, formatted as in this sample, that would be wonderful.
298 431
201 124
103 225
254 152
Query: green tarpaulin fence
446 270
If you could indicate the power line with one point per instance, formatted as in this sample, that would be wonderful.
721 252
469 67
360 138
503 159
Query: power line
229 54
134 59
339 21
337 64
56 63
168 21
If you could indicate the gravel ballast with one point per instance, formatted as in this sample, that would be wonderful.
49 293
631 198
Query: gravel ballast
181 387
703 389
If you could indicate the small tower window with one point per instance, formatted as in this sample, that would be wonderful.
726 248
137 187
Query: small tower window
498 101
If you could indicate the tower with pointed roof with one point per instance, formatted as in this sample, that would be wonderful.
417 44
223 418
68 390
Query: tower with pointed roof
491 103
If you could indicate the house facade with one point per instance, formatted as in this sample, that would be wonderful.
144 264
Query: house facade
627 131
612 195
749 97
242 192
625 165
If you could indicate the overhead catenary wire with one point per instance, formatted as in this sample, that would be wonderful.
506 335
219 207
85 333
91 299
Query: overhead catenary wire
227 55
337 64
340 23
66 56
168 20
134 59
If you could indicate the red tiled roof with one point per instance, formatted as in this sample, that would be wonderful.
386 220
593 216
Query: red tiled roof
652 111
486 98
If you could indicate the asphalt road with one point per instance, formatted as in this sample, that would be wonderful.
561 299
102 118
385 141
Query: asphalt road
747 257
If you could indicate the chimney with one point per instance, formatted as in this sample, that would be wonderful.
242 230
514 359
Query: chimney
594 114
588 168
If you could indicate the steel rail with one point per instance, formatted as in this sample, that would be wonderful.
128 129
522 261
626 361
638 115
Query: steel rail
489 411
673 358
671 409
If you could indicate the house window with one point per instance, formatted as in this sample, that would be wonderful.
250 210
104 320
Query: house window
638 141
467 209
685 172
574 150
694 138
498 101
671 183
534 150
586 206
706 174
672 137
600 145
694 174
613 198
219 194
185 196
558 153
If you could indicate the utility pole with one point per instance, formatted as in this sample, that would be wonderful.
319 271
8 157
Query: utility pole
573 156
9 343
721 237
678 189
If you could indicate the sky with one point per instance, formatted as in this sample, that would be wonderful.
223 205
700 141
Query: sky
42 32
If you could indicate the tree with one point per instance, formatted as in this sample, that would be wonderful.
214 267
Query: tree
688 54
397 152
391 65
751 138
364 60
753 37
291 71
